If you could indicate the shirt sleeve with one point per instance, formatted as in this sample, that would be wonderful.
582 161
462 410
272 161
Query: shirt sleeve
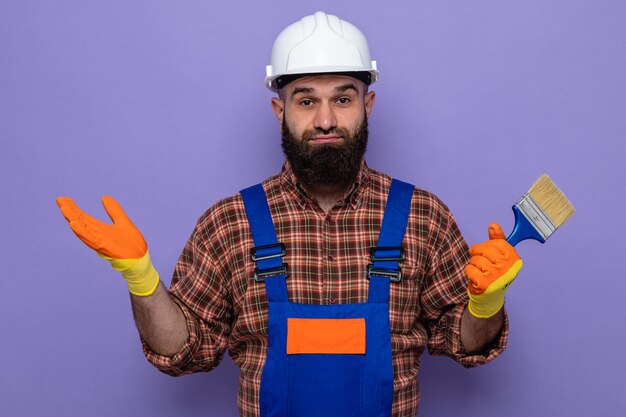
444 297
198 288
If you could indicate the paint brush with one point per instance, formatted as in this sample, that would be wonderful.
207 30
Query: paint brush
539 212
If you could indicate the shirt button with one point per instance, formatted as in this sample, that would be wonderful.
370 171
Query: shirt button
330 257
331 301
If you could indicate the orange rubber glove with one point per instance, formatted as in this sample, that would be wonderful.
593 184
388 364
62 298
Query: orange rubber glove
121 243
493 266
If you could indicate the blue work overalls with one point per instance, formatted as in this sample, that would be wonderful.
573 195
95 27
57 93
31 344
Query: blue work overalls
351 374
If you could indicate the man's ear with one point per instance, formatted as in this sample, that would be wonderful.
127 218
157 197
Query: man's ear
278 106
369 99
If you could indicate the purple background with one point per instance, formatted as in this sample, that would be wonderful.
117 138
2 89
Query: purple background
162 105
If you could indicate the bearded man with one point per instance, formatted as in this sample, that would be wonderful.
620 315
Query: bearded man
327 281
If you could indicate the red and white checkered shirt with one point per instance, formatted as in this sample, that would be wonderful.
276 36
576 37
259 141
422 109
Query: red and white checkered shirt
328 254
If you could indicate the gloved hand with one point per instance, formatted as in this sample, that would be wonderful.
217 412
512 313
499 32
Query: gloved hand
120 243
493 266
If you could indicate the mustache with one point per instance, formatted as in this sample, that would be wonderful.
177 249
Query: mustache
313 133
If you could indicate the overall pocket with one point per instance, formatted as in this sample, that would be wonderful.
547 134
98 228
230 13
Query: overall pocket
326 358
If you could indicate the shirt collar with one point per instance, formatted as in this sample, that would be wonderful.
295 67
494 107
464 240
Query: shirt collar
353 196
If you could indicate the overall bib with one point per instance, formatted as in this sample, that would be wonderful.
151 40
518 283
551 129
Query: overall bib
328 360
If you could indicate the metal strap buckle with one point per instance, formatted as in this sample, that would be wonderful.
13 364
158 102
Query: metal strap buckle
375 249
259 276
256 258
394 276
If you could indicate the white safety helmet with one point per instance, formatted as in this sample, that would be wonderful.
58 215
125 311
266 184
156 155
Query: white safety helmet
320 43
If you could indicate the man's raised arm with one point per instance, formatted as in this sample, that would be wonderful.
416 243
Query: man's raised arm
160 321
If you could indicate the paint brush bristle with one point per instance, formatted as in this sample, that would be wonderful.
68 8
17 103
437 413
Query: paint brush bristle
551 200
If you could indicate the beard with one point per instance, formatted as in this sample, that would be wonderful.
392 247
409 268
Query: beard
328 163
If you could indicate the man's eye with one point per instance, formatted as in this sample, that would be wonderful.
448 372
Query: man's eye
306 102
343 100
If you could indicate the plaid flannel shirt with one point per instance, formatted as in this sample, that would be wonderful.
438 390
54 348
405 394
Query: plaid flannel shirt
328 254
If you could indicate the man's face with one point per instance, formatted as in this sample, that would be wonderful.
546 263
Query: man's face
324 127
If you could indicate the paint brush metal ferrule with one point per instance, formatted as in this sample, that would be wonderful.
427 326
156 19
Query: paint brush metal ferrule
535 216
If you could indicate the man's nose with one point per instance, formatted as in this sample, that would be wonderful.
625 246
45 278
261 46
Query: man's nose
325 117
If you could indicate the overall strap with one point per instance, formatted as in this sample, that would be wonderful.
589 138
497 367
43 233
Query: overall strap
267 253
389 252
